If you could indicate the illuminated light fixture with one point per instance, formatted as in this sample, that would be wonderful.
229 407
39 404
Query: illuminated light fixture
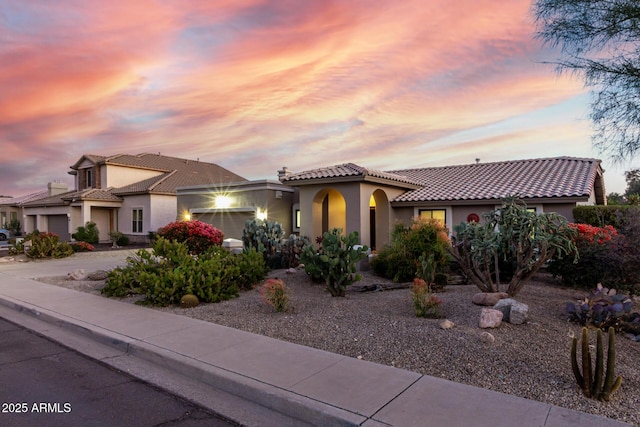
187 217
223 201
261 214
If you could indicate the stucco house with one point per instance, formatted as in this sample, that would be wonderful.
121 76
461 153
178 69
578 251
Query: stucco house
369 201
133 194
11 207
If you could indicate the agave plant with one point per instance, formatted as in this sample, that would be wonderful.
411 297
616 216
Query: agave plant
603 308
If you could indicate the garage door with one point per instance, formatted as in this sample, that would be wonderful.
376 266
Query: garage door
231 223
59 224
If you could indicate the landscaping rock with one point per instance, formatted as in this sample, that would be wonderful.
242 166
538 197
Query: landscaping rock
490 318
488 298
78 274
97 275
513 311
447 324
519 313
488 338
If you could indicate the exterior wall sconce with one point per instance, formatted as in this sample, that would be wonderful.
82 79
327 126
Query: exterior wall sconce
261 214
187 216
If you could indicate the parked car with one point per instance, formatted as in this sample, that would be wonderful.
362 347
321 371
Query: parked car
5 234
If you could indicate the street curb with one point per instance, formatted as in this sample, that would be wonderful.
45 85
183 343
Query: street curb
271 397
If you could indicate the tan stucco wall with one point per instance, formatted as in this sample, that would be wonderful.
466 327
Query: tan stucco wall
276 202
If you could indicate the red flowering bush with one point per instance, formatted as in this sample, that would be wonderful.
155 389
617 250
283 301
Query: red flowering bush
82 247
595 246
425 304
589 235
197 235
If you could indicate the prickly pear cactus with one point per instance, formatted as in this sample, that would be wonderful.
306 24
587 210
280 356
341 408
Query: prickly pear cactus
264 236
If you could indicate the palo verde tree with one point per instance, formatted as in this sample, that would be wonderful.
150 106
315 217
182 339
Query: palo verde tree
514 234
599 40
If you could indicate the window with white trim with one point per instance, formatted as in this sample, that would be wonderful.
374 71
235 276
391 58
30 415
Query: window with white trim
136 220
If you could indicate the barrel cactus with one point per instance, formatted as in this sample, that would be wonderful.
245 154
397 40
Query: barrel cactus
189 300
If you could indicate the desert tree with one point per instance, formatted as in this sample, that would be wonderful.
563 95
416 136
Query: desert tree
599 41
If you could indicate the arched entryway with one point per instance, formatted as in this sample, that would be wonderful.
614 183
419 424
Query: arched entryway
329 205
378 219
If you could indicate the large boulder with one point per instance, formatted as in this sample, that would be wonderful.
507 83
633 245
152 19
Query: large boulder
513 311
490 318
488 299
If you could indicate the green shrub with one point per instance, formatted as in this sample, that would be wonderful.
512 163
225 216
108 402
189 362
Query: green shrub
401 259
46 245
89 233
170 271
336 260
118 238
198 236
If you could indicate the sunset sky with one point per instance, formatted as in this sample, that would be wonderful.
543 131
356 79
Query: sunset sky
254 85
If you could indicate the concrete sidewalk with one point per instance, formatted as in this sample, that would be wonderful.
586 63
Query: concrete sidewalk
302 384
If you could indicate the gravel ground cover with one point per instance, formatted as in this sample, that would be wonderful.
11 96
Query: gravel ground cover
530 360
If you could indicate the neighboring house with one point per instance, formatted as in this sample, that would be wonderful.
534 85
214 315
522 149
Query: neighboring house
132 194
229 206
355 198
11 207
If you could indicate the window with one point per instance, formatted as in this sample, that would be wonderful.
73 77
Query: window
297 225
136 225
13 216
89 178
3 220
439 214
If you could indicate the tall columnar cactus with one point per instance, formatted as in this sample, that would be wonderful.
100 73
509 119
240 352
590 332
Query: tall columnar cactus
591 382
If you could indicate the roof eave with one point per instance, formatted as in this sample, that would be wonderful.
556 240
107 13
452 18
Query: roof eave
460 202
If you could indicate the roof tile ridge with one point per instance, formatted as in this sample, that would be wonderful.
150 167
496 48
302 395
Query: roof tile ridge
163 178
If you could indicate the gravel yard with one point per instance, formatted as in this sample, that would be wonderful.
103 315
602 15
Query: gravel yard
530 360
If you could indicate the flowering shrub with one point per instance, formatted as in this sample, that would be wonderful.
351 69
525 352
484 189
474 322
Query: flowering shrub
593 235
274 293
197 235
595 247
81 247
425 304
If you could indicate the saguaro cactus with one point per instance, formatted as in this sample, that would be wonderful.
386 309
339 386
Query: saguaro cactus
590 381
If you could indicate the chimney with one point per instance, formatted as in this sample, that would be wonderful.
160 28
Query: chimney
57 187
283 173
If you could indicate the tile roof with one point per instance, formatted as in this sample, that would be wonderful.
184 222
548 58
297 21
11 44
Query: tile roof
534 178
71 196
20 200
347 170
176 172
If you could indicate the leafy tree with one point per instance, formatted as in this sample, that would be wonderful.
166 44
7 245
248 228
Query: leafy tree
633 182
599 40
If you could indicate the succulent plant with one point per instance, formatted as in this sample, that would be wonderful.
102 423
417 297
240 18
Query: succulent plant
189 300
263 235
292 249
590 380
603 308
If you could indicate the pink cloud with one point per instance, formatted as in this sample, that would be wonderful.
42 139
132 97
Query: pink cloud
316 81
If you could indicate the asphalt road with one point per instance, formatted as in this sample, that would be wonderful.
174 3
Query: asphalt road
44 383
